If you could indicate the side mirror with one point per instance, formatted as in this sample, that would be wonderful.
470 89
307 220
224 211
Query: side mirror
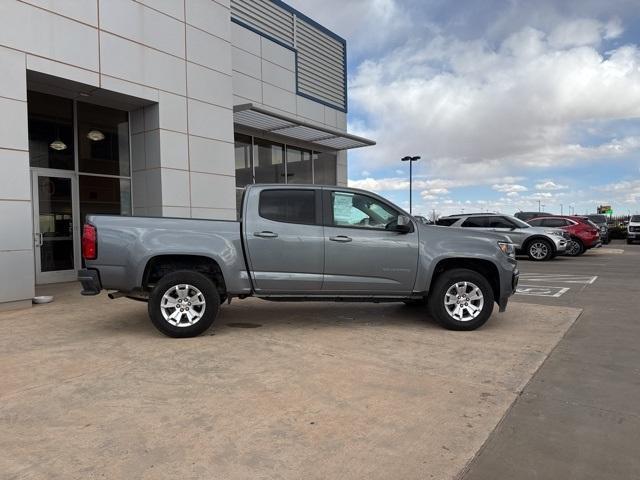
403 224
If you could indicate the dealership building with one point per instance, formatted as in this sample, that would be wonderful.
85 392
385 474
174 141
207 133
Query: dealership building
154 108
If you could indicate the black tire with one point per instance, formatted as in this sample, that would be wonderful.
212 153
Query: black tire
438 294
538 243
415 302
579 251
193 279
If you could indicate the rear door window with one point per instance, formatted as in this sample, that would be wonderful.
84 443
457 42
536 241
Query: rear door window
289 206
446 222
478 222
554 222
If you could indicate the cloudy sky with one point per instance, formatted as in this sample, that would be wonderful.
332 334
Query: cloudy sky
507 101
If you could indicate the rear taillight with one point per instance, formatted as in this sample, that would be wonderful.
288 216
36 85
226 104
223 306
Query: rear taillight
89 242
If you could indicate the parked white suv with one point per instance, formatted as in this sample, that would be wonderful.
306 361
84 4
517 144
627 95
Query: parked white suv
538 243
633 229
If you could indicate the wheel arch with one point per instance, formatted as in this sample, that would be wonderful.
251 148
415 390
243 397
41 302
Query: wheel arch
160 265
533 238
484 267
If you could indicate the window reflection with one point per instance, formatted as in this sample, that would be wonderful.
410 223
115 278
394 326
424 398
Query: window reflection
324 168
269 167
50 131
104 195
299 169
103 140
244 168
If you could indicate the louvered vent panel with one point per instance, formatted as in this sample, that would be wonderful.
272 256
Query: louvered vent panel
320 65
266 17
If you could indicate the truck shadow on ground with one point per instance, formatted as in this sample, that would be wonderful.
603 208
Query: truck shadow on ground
251 314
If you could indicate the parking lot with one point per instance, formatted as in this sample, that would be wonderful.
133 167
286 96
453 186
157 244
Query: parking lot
548 389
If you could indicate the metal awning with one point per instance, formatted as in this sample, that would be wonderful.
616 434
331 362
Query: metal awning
251 116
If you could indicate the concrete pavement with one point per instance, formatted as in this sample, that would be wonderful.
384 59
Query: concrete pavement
89 389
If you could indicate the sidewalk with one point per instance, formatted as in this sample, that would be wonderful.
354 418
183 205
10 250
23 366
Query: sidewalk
579 417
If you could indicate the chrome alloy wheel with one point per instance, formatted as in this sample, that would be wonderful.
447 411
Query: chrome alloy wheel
539 250
463 301
182 305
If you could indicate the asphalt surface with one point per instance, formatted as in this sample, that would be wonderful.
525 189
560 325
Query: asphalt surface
579 417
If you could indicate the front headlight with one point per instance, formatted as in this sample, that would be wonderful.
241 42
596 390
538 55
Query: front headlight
508 249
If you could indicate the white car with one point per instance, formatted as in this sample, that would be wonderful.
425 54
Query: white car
633 229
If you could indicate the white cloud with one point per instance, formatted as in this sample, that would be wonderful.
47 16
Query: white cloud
509 188
550 186
473 110
626 192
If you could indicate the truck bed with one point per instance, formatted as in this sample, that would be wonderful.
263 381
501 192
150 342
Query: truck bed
126 245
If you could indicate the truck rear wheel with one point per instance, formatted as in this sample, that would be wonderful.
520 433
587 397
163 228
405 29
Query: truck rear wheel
461 299
183 304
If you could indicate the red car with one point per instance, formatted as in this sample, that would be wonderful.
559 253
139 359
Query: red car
584 234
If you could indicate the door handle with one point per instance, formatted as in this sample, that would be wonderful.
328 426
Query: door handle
265 234
340 238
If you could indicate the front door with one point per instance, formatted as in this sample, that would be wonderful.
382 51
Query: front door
363 255
55 225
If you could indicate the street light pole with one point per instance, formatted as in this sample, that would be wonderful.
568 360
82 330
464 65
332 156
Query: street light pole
410 160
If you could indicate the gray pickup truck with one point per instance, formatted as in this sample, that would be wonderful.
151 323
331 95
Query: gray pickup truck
297 242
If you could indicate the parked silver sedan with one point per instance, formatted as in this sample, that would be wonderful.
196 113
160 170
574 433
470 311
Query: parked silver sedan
539 244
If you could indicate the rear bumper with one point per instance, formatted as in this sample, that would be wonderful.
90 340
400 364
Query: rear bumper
90 280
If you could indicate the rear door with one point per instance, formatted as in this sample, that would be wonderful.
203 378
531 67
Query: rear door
362 256
508 227
284 239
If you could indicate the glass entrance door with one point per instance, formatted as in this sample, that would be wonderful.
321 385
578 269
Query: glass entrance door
55 225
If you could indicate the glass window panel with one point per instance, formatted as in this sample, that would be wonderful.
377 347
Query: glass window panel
355 210
103 140
244 171
239 193
324 168
104 195
290 206
269 162
478 222
50 131
56 223
299 166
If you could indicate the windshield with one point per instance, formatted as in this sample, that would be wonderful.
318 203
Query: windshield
598 218
519 222
635 218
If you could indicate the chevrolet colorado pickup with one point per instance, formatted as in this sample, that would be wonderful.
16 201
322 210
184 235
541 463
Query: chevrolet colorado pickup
292 243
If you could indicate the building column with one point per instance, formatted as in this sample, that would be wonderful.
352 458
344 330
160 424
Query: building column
17 276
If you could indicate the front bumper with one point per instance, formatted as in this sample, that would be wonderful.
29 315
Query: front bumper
90 280
560 244
504 298
633 235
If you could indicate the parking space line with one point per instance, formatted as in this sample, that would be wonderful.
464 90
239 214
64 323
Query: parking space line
541 291
559 278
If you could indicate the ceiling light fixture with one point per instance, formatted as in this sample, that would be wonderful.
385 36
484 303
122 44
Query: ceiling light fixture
95 135
58 145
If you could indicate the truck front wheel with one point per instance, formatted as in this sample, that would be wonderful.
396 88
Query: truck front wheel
183 304
461 299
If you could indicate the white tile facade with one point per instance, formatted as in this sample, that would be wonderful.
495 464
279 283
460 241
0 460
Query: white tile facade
184 59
